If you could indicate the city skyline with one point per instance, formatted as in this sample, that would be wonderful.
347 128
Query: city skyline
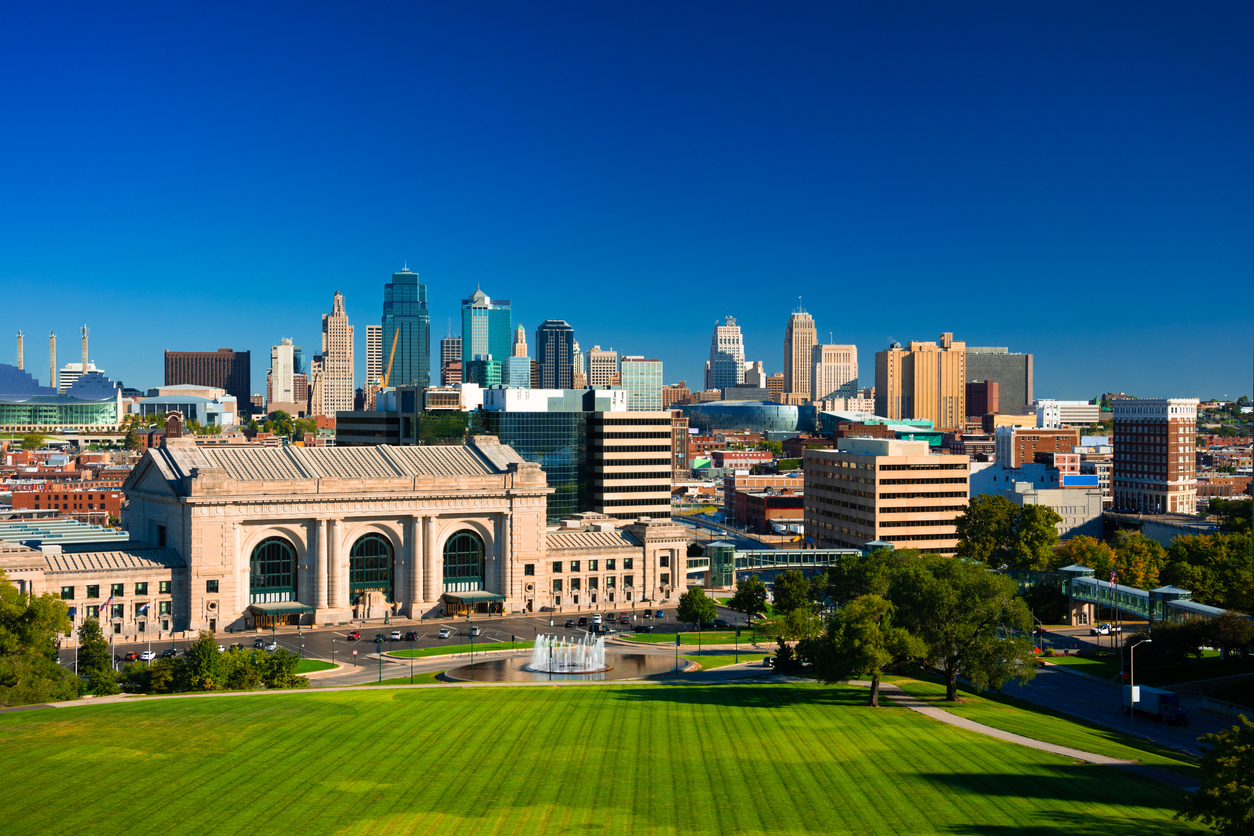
916 158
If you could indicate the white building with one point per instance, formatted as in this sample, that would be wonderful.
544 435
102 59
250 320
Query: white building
1052 414
726 366
280 381
602 367
834 372
642 381
333 383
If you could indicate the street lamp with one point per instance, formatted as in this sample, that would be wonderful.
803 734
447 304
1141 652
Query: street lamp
333 651
1132 701
411 661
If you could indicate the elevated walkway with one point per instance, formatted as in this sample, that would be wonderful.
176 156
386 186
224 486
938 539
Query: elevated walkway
1166 603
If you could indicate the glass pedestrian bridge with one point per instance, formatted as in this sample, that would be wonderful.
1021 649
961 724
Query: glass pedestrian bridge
1166 603
723 560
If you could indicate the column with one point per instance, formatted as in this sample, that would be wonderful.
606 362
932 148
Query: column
320 575
433 564
414 557
334 579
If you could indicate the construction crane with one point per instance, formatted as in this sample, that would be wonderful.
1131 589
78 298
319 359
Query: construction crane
383 384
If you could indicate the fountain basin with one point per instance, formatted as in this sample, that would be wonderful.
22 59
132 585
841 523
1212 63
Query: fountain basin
619 666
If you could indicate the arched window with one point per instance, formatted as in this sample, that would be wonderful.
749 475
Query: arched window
463 562
370 566
272 571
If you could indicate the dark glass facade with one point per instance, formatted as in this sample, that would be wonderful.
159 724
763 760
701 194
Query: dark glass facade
557 441
555 354
405 307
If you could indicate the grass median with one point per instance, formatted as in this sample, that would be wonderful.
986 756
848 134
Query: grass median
311 665
729 759
449 649
707 637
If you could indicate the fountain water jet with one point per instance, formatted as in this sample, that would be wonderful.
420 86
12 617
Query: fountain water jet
553 654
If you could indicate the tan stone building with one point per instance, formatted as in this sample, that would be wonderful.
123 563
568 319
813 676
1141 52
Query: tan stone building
799 341
924 380
883 489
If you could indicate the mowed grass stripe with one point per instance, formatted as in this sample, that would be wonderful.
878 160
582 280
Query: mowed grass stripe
727 760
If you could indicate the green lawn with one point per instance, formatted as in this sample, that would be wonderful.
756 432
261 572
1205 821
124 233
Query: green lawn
446 649
726 760
708 637
1102 667
311 665
1029 720
1209 667
722 659
419 679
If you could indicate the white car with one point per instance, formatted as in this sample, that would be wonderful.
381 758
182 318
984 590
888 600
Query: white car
395 637
596 619
272 646
444 633
148 656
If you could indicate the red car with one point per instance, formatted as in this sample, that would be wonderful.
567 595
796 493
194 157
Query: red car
354 636
131 657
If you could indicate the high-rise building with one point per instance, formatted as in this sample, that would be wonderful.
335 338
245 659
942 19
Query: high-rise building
799 341
1016 446
834 372
405 309
483 370
450 355
642 380
726 366
885 489
520 343
1154 470
487 327
71 372
280 382
374 353
555 354
579 367
222 369
516 372
338 387
775 386
625 482
298 361
602 367
925 380
983 397
1011 372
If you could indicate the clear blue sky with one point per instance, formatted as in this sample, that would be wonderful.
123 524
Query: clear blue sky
1067 179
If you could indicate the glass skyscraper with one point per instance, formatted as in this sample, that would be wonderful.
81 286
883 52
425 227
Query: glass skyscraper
558 442
487 327
405 307
555 354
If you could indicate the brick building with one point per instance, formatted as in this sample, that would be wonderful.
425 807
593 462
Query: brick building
222 369
1016 445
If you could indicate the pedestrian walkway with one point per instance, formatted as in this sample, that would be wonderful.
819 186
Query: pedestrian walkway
900 697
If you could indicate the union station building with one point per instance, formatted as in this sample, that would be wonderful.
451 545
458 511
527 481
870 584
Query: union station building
246 537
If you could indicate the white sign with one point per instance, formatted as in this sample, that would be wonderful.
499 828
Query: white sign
1136 694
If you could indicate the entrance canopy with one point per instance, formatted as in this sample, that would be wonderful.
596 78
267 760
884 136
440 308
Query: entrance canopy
279 608
472 598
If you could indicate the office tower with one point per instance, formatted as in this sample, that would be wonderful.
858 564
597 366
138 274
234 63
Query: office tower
925 380
871 489
726 366
755 375
602 367
222 369
71 372
300 392
405 309
280 383
799 340
298 361
487 327
374 353
483 370
642 380
450 356
336 378
1011 372
983 397
516 372
520 343
1154 470
317 373
775 386
625 482
555 354
834 372
579 367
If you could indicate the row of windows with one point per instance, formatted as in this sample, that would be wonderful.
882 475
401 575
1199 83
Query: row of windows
610 564
938 495
575 584
116 590
901 538
613 435
632 463
656 487
923 509
961 466
621 502
956 480
138 610
915 523
640 448
633 422
67 496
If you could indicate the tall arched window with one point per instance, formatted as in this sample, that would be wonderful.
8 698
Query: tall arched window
272 571
370 566
463 562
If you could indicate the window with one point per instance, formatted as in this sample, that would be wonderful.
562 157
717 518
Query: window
557 584
664 579
574 567
369 567
574 584
67 593
609 564
93 591
211 586
664 560
592 583
629 581
93 612
140 609
609 582
163 608
557 567
627 562
141 589
119 610
163 587
116 591
592 565
161 536
463 562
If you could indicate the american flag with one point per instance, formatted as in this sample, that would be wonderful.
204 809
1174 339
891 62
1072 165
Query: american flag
1112 578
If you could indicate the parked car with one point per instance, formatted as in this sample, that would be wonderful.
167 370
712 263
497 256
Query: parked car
222 648
445 632
148 656
354 635
648 613
596 618
259 643
659 614
411 636
378 638
169 653
721 624
131 657
1104 629
476 631
583 621
644 628
570 622
394 636
624 619
237 646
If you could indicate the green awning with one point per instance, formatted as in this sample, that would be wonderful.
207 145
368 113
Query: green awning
471 597
280 608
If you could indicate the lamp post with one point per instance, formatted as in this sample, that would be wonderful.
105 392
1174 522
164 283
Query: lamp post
1132 683
333 651
411 661
378 651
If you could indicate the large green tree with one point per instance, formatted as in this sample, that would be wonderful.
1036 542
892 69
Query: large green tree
29 627
93 651
750 597
203 666
790 591
863 639
968 618
1225 799
1215 567
1008 536
695 607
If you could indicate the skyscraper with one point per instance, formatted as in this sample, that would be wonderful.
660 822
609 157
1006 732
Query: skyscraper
1012 373
450 360
405 308
726 366
579 366
834 372
602 367
1155 455
337 360
799 340
221 369
487 327
520 343
642 380
925 380
374 353
554 352
280 383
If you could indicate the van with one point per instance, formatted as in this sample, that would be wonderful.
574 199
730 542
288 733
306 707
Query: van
596 619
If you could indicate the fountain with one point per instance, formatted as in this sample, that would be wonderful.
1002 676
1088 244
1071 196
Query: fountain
553 654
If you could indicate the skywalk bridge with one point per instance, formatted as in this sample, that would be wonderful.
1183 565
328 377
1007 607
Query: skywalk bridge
723 561
1084 591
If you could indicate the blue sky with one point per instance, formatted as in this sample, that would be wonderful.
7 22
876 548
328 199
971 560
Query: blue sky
1067 179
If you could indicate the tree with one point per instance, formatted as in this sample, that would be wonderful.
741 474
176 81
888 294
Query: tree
695 607
802 625
1047 602
860 639
32 441
775 448
93 650
203 668
1138 560
961 612
131 442
1215 567
1007 536
29 669
1230 631
1225 799
790 591
1086 551
750 597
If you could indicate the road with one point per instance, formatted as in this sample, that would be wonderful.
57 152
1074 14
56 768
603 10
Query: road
711 531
